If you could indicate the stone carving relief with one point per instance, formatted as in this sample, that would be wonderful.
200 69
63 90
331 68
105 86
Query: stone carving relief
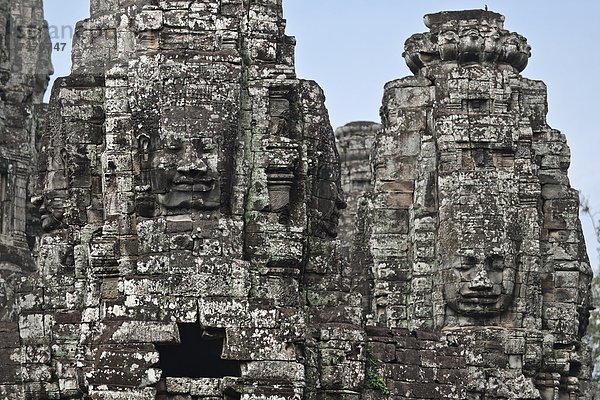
52 209
184 166
281 177
478 261
465 43
479 234
282 150
330 198
54 196
460 229
190 191
189 172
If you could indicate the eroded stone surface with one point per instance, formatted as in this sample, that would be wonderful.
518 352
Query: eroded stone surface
472 223
185 171
354 143
195 241
24 71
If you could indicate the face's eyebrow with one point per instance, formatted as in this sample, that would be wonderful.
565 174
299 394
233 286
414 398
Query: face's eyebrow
465 252
495 254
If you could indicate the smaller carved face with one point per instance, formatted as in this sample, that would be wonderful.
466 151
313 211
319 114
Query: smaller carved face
479 283
189 172
330 199
472 34
52 205
511 43
448 37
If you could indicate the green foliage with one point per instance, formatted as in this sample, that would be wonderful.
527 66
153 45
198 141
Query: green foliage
374 379
593 330
587 211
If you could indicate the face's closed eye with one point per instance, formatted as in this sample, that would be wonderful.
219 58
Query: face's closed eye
467 262
174 147
495 262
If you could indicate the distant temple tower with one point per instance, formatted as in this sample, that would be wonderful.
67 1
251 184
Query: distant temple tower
354 142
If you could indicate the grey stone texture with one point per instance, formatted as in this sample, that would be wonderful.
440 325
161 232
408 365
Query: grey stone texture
187 176
472 228
197 242
354 143
24 72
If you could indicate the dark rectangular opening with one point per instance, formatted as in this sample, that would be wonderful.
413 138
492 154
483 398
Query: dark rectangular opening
476 105
197 356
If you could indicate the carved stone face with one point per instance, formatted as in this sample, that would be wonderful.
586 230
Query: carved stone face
53 198
187 172
447 37
479 285
478 275
52 208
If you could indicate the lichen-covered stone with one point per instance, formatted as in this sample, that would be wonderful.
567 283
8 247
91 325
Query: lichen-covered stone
466 234
25 68
185 170
195 244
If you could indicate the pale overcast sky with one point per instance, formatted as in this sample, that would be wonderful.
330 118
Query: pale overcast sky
352 47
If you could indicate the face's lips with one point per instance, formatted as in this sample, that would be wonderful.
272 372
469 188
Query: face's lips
182 183
196 187
480 300
484 295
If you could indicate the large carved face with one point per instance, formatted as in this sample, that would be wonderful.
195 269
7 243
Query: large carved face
186 115
186 172
478 268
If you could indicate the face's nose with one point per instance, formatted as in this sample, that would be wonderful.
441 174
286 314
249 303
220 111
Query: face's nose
40 203
192 164
37 201
481 281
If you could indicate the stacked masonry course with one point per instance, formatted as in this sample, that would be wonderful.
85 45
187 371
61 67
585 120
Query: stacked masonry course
354 143
186 179
24 72
195 240
472 228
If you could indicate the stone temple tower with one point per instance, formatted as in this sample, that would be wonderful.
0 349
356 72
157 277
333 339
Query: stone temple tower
474 231
354 143
189 187
190 195
24 71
